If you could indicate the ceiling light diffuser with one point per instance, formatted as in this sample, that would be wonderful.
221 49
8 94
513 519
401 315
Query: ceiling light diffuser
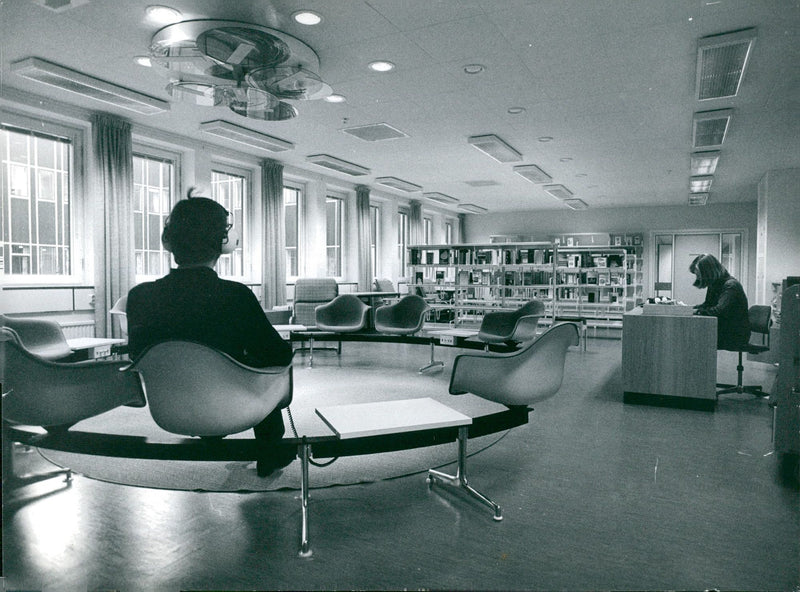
532 173
474 68
336 164
162 15
495 147
709 128
704 163
698 199
243 135
557 191
576 204
307 17
335 98
381 66
472 208
396 183
700 184
721 62
440 198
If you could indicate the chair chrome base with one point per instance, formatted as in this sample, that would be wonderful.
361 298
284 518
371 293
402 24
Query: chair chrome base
459 480
739 387
434 363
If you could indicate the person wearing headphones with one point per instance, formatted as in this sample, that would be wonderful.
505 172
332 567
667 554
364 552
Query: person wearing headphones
194 304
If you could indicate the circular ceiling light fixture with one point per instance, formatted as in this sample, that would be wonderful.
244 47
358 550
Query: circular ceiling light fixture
381 66
474 69
335 98
545 138
516 110
307 17
162 15
143 60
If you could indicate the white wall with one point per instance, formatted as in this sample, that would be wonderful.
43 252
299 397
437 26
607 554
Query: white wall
778 252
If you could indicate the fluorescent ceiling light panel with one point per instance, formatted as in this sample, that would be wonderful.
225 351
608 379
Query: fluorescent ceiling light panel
440 198
558 191
396 183
472 208
709 128
576 204
495 147
243 135
698 199
721 61
335 164
87 86
704 163
532 173
701 184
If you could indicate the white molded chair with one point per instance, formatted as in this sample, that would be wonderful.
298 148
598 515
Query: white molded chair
512 326
520 378
39 336
119 310
195 390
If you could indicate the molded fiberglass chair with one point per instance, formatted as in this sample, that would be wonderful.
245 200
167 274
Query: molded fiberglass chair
516 326
760 317
406 317
309 293
40 337
344 314
196 390
119 310
57 395
517 379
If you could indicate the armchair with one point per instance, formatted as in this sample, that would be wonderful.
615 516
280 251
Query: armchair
344 314
406 317
310 293
40 337
512 327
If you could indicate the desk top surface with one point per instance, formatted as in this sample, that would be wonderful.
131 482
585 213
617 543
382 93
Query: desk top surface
90 342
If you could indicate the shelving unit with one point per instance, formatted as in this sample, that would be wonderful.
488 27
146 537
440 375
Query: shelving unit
596 283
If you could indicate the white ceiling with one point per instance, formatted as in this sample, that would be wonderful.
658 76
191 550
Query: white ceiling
612 81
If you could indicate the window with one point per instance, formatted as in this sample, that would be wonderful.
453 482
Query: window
36 214
153 182
402 241
428 229
448 233
230 190
291 203
334 219
375 225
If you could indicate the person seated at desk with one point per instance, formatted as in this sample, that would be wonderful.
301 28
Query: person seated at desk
193 303
725 299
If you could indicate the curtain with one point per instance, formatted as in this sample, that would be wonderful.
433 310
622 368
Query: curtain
115 271
273 269
415 231
364 239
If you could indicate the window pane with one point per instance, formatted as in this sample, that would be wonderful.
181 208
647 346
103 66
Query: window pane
152 196
334 210
35 203
291 202
230 191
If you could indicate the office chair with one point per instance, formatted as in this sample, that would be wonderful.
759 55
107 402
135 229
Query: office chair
196 390
521 378
760 317
40 337
512 327
119 310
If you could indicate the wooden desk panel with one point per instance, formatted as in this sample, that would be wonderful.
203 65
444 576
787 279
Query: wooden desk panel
669 356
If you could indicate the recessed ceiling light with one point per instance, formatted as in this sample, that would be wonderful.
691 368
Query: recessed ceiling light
307 17
474 69
581 175
335 98
516 110
381 66
162 15
565 159
545 139
143 61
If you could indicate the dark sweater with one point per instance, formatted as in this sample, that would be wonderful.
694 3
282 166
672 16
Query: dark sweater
196 305
726 300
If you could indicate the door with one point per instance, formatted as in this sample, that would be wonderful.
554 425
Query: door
687 247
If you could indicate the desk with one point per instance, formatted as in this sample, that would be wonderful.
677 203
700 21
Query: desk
669 360
91 348
285 331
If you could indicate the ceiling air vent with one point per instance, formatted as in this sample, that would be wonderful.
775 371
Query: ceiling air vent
558 191
87 86
698 199
495 147
375 132
396 183
721 61
472 208
342 166
482 183
532 173
704 163
700 184
243 135
576 204
440 198
710 127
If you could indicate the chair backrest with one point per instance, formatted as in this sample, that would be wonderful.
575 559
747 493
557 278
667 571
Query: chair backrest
119 310
760 316
308 294
39 336
384 285
524 377
404 317
346 313
196 390
58 395
518 325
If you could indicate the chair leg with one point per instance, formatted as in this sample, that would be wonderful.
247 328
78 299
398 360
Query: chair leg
12 480
434 363
459 480
739 387
305 548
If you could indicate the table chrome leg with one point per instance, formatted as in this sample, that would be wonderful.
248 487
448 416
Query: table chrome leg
460 478
311 352
434 363
305 549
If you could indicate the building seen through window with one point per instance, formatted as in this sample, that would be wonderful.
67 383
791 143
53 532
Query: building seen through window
230 191
334 215
291 202
152 200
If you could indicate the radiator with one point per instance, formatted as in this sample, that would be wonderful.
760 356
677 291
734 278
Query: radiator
73 329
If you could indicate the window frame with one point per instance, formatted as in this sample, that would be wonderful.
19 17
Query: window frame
342 233
80 249
300 190
375 234
248 217
403 218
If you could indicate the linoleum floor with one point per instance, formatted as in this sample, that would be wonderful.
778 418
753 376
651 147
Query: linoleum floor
596 494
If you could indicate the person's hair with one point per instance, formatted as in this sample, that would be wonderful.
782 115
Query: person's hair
195 230
708 269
